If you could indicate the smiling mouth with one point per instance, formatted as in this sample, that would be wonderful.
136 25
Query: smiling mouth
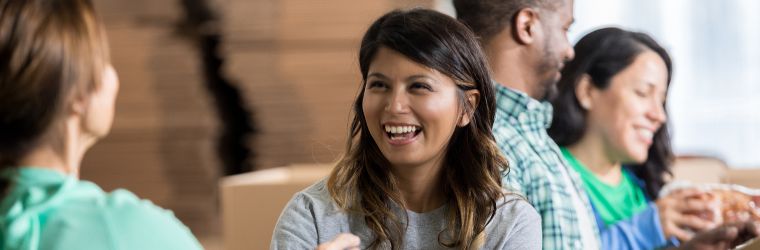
645 134
401 133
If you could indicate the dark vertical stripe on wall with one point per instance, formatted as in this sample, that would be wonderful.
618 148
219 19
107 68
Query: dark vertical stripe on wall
236 121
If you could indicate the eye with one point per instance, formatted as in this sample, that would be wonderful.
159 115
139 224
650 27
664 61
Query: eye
377 85
640 93
421 86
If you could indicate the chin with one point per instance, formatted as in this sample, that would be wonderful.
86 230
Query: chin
638 157
402 161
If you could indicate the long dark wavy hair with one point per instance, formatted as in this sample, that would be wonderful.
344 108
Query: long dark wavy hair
51 51
601 55
362 182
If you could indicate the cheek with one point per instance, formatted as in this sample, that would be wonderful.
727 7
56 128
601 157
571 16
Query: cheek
441 112
372 111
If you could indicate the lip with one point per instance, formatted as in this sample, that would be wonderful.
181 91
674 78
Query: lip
647 140
399 142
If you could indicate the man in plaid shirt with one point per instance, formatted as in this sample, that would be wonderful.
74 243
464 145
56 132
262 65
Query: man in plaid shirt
527 45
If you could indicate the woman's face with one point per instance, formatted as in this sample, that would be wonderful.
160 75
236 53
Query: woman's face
411 110
626 115
99 112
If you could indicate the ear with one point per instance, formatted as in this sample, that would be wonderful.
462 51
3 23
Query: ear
525 25
584 92
78 106
472 97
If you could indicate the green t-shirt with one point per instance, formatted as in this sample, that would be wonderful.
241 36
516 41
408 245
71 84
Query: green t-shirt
45 209
613 203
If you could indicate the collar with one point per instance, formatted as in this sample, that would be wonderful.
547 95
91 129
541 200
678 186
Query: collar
518 105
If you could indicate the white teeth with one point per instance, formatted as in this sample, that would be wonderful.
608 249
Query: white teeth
400 129
646 133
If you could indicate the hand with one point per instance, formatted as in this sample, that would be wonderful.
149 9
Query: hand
341 242
679 214
724 237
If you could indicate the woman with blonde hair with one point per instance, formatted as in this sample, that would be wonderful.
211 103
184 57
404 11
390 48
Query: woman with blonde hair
421 169
57 94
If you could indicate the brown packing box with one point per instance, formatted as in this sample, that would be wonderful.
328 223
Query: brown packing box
252 202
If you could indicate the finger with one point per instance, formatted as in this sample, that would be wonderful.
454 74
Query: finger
685 192
681 234
693 222
344 240
693 205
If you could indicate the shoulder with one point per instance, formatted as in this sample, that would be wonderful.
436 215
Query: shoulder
514 207
315 198
119 218
516 225
310 217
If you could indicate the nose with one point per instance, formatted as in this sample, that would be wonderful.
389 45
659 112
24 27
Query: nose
569 53
657 113
398 102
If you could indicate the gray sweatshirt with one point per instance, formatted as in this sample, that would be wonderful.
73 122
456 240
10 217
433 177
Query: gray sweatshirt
312 217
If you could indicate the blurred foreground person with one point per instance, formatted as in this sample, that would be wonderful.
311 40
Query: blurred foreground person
57 94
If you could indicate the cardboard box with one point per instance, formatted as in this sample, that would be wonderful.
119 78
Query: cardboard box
746 177
699 170
252 202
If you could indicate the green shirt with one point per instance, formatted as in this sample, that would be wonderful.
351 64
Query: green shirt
613 203
45 209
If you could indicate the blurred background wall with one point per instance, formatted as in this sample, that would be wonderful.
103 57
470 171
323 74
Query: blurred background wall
291 62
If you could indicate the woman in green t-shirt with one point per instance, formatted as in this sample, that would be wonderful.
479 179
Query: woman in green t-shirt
610 121
57 94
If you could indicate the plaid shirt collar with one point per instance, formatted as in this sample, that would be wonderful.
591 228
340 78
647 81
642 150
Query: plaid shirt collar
513 104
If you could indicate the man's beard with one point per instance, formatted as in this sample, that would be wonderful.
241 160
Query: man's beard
547 83
548 89
547 70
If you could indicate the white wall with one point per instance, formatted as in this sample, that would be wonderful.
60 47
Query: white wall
715 45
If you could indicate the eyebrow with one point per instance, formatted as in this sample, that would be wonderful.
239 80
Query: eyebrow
652 86
413 77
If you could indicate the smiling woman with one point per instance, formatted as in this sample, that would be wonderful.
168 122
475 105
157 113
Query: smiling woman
611 124
421 169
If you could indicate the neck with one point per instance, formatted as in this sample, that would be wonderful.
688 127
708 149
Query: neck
510 64
593 156
420 186
62 153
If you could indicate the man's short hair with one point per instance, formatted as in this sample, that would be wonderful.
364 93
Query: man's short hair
486 18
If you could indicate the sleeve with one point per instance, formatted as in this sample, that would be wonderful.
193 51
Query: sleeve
526 233
121 221
296 227
642 231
